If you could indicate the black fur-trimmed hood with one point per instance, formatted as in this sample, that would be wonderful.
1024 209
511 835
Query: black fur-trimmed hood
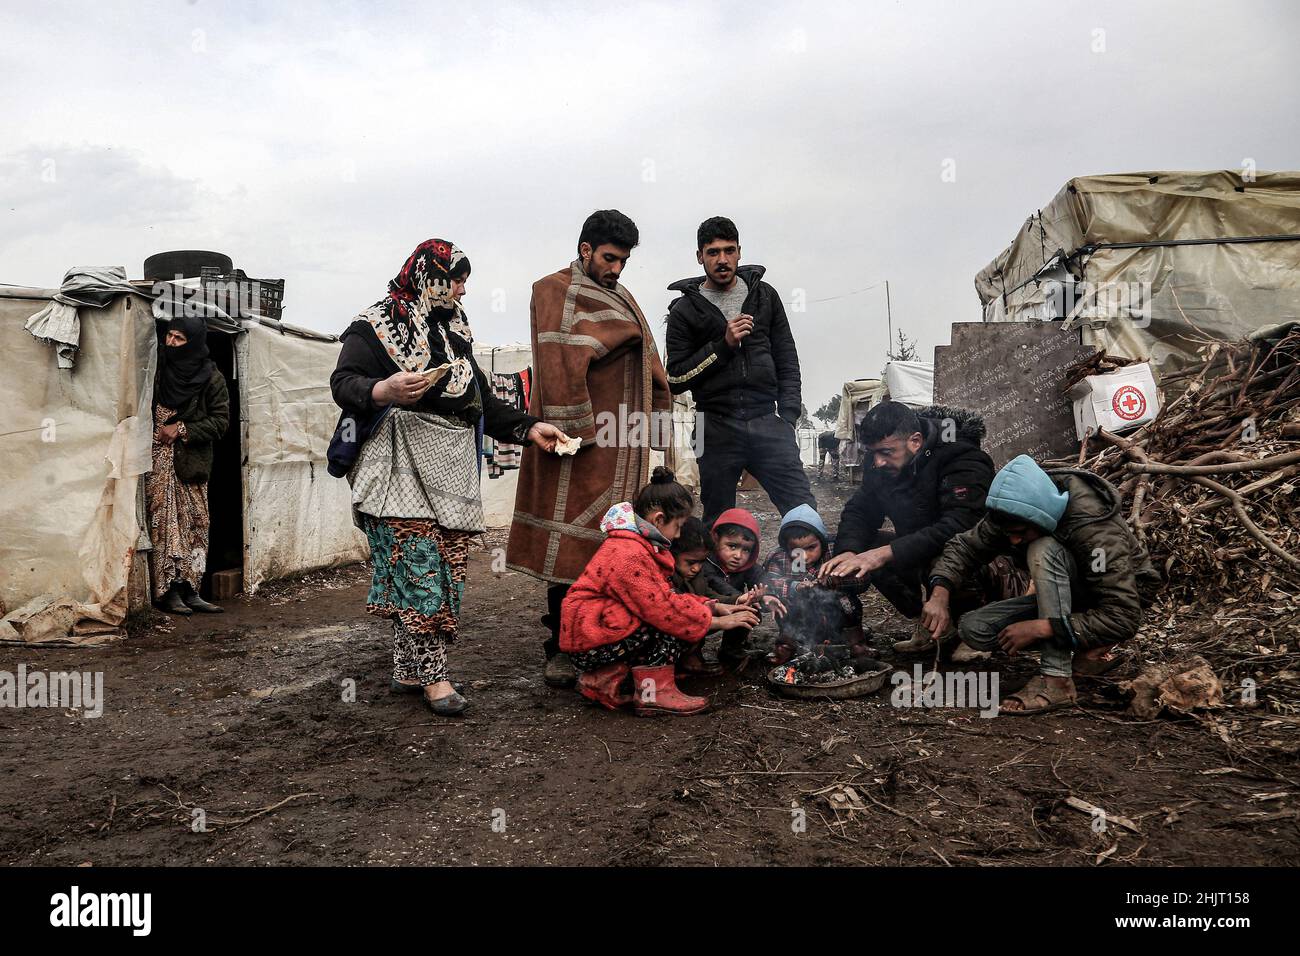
970 425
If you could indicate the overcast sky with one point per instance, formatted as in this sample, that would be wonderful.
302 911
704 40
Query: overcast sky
320 142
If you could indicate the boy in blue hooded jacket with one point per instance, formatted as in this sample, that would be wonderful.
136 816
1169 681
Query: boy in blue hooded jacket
1090 577
791 585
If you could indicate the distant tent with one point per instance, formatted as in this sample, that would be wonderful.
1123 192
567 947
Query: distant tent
73 531
911 383
1218 254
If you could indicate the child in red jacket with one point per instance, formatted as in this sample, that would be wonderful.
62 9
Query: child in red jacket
622 616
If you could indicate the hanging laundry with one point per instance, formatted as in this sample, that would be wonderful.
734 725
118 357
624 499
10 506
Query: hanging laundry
512 388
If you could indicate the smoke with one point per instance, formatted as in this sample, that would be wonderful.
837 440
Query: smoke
814 617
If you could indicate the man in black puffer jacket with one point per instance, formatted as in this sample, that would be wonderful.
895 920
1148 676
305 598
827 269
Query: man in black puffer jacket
729 345
929 477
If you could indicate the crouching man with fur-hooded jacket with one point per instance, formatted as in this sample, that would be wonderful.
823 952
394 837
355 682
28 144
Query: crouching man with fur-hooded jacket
927 474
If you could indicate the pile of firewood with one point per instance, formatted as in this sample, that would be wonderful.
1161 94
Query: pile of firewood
1099 363
1210 485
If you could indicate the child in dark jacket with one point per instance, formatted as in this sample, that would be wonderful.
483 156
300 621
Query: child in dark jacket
807 611
733 572
691 551
732 569
622 616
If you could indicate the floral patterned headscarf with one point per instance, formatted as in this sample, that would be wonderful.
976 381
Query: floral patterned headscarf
420 324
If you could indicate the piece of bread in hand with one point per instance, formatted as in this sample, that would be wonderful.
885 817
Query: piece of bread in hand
437 374
567 445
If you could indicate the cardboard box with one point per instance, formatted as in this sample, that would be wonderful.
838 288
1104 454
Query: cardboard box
1117 402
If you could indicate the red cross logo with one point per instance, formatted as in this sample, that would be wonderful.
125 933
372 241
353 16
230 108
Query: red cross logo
1129 403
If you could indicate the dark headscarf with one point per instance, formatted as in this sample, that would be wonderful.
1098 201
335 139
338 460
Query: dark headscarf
183 370
421 325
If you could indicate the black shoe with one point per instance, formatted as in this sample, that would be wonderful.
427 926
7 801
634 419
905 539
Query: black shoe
196 603
450 706
398 687
560 671
172 603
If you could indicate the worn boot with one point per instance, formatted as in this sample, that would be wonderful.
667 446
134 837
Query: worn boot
654 691
196 603
602 685
965 654
173 603
560 671
919 641
695 664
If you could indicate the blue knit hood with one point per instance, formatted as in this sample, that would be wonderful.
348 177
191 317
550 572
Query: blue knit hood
1023 489
804 518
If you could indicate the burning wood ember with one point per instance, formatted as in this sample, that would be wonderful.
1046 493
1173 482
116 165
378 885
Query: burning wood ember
824 649
815 668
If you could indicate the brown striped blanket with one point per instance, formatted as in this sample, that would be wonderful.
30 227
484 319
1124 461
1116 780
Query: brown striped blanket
594 363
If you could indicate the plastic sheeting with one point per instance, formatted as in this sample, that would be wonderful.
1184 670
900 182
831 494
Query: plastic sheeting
1208 290
911 383
71 516
297 517
856 399
59 324
76 442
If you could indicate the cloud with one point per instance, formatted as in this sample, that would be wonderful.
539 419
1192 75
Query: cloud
320 143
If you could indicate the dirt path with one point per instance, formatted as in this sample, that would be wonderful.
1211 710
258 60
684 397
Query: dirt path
243 713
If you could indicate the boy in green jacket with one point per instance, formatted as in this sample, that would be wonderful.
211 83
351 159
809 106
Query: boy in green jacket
1087 569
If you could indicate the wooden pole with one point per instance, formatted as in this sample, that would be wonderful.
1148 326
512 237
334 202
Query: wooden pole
889 319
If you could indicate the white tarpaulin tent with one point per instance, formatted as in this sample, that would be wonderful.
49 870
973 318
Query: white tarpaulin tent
75 444
856 400
1152 260
911 383
296 515
72 521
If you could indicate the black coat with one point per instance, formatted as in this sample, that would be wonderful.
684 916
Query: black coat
756 378
206 416
363 362
939 495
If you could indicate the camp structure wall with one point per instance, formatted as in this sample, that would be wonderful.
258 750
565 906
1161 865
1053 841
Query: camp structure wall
1012 374
297 517
73 447
1208 255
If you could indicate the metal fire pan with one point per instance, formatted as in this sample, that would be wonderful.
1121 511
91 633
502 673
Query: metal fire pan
860 685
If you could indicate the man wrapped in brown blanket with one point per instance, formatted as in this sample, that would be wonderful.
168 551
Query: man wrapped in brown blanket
597 376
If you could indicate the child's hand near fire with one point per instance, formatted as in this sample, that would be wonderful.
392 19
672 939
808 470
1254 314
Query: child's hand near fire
773 604
741 617
752 596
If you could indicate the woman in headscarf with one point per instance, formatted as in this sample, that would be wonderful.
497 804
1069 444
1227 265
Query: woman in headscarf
415 483
191 412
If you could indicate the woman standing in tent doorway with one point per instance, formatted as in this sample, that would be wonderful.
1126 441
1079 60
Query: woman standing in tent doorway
407 373
191 411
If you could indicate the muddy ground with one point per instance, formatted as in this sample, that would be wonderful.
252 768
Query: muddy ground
245 718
